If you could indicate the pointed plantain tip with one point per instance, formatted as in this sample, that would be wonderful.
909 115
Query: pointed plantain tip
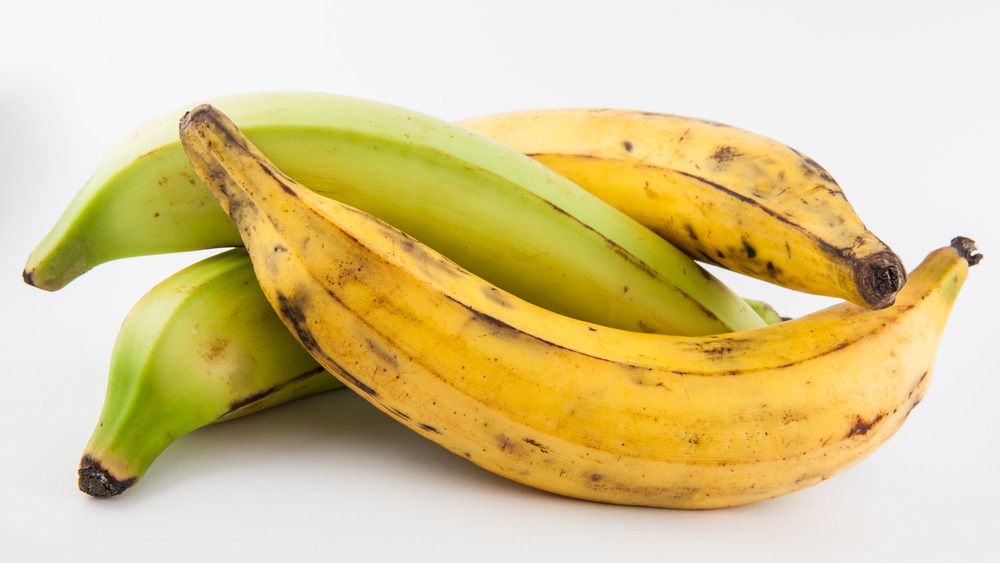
966 247
96 481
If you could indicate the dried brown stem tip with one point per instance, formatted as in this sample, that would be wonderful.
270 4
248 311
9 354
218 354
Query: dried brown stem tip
967 248
879 278
96 481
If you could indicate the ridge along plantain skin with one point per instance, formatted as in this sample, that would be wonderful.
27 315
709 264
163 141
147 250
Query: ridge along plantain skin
495 211
723 195
563 405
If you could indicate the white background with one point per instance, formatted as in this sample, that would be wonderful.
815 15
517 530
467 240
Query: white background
898 100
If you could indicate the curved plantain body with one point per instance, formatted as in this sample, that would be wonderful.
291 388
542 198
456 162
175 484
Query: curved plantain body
567 406
723 195
202 346
495 211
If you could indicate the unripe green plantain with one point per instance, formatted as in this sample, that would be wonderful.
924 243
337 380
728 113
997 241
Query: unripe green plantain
202 346
493 210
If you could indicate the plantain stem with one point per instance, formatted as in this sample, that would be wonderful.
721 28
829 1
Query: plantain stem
966 247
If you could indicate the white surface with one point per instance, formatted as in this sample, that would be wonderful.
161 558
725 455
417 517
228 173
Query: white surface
897 100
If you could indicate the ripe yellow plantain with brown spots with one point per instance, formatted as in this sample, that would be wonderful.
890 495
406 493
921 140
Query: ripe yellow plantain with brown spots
721 194
565 405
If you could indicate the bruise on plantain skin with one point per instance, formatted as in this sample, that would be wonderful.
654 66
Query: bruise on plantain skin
862 426
725 153
384 355
291 310
508 445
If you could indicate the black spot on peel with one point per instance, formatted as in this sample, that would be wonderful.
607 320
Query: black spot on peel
627 145
772 270
429 428
749 249
399 413
541 448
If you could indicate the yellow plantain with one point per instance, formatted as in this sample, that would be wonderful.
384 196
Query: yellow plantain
721 194
564 405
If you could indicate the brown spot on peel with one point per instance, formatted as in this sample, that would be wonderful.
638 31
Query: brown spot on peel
540 447
862 427
725 153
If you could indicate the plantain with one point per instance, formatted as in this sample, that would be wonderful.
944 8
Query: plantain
724 195
203 346
564 405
